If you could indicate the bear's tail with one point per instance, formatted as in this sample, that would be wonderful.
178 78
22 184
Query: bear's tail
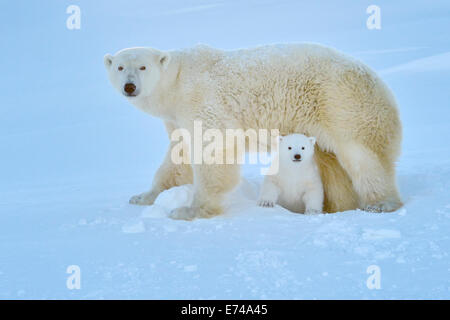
338 187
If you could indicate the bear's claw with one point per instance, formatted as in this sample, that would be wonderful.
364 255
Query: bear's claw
143 199
266 203
313 211
383 206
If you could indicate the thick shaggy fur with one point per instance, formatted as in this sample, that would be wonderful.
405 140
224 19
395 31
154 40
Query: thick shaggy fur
296 185
301 88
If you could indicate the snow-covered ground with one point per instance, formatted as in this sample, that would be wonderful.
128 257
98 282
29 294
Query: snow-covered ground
73 152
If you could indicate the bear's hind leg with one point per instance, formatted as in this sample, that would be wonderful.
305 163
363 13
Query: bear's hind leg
374 184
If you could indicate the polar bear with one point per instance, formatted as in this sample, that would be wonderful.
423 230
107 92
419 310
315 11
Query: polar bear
296 185
296 88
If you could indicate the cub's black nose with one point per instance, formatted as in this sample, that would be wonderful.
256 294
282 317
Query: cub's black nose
129 88
297 157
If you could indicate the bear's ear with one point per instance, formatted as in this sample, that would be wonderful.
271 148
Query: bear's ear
164 60
313 140
280 138
107 60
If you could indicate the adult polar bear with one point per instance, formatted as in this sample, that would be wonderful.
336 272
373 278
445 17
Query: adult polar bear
296 88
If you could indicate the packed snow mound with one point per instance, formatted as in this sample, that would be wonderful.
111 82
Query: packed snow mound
169 200
182 196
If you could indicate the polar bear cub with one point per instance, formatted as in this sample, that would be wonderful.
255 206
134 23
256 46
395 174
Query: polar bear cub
296 185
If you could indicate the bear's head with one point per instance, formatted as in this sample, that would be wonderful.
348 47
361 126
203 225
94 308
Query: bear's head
296 148
135 72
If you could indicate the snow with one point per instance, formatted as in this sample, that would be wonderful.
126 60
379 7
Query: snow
73 152
133 227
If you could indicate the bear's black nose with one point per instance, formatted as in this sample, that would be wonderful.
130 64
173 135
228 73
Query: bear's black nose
297 157
129 88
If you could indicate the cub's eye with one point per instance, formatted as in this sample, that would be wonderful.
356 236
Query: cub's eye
289 148
303 148
142 68
120 68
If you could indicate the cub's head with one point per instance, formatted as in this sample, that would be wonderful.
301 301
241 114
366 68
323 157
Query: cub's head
296 148
135 72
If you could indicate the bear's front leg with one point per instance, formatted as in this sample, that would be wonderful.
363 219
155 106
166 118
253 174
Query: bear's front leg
211 183
167 176
313 200
269 194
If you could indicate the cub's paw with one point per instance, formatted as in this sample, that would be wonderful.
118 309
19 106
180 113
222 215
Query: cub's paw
183 213
266 203
144 199
313 211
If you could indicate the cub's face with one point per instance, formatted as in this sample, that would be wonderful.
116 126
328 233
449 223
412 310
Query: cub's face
135 72
296 148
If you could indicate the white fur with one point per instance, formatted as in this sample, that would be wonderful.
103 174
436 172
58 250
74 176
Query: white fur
297 186
298 88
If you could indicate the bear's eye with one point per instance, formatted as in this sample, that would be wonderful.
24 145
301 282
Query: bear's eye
289 148
303 148
120 68
142 68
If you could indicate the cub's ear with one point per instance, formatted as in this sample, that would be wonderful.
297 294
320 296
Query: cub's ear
280 138
107 60
313 140
164 59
